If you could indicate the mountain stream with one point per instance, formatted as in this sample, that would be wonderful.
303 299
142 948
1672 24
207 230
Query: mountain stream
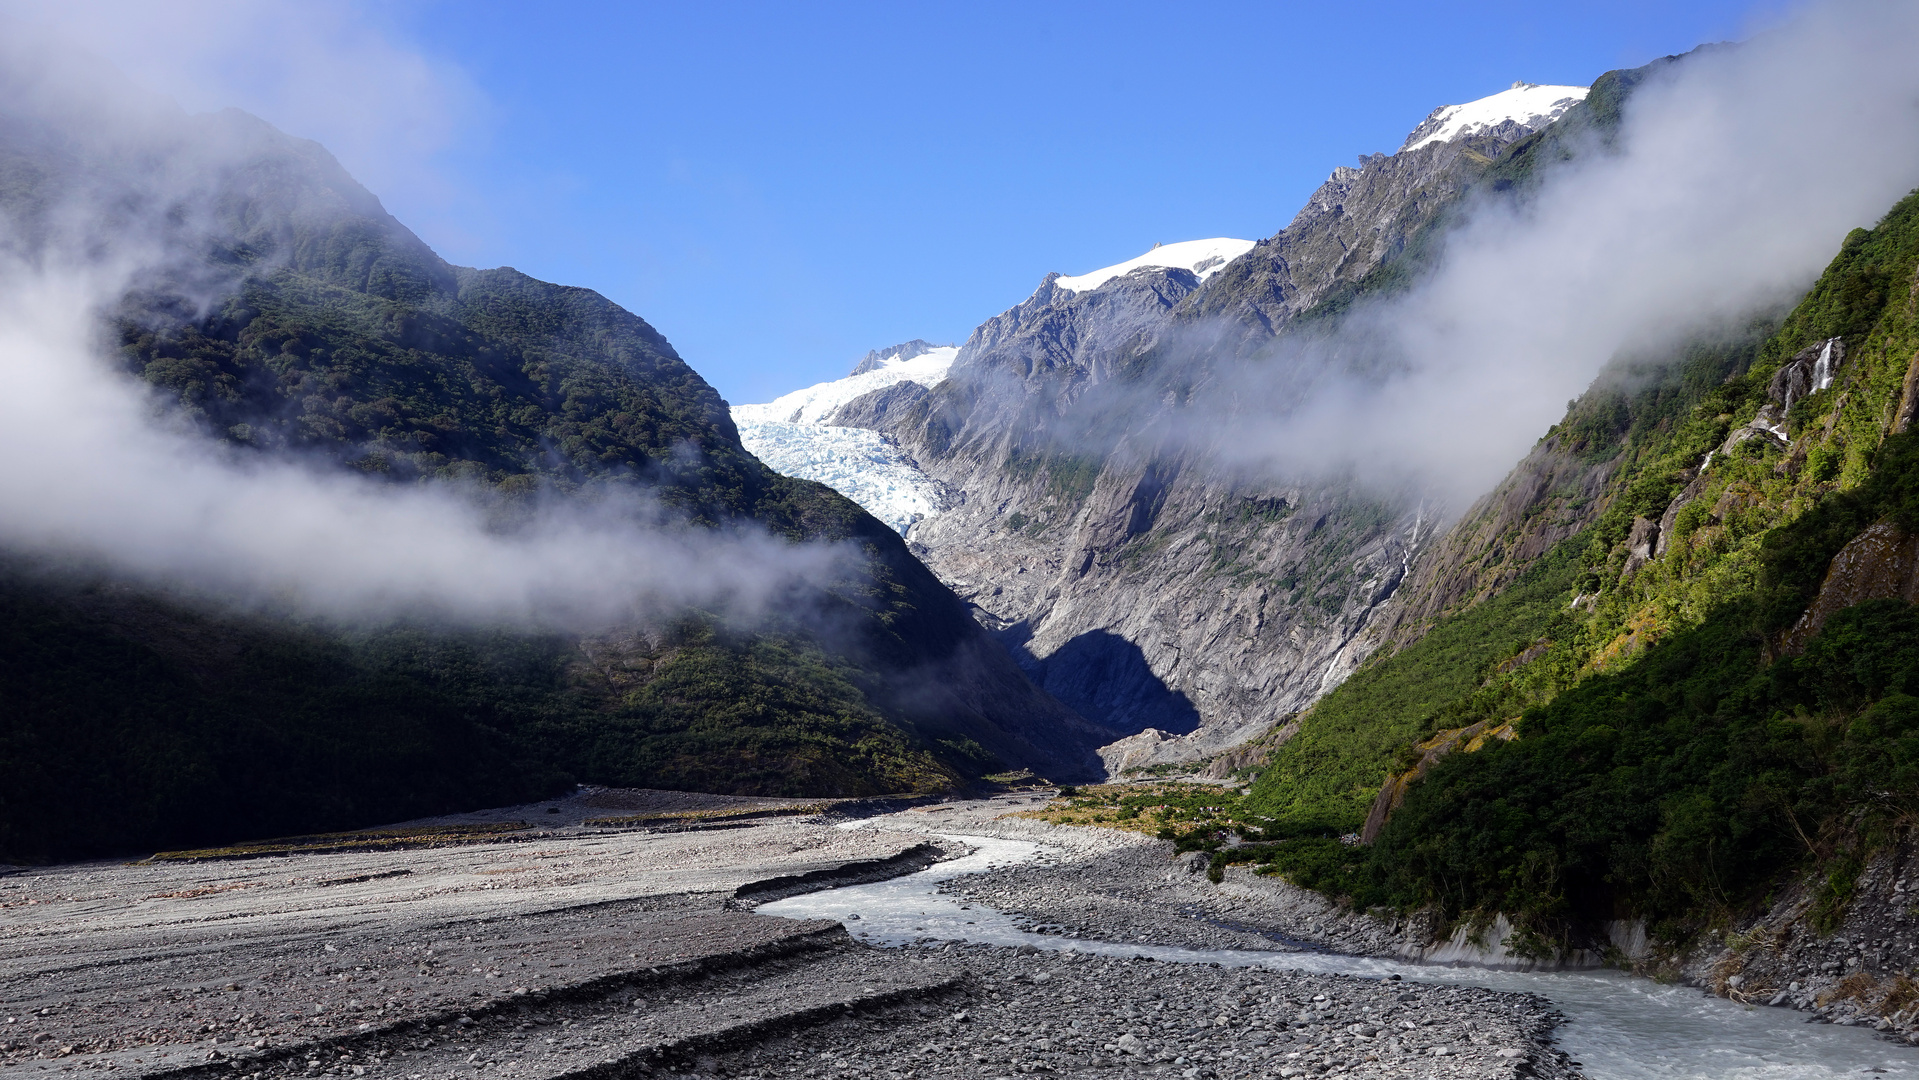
1618 1026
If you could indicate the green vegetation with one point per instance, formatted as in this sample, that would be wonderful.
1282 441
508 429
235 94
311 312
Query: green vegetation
1671 762
1168 810
170 735
1068 477
1324 779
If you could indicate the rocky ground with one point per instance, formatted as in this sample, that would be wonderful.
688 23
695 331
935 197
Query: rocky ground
1861 970
1126 886
588 951
1856 968
1071 1014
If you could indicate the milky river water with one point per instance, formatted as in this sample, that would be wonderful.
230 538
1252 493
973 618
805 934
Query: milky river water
1619 1027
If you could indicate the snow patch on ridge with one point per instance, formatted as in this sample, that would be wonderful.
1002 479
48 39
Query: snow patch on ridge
816 403
789 435
1203 257
1527 104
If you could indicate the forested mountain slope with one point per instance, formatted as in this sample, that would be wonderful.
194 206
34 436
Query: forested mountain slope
1681 647
288 316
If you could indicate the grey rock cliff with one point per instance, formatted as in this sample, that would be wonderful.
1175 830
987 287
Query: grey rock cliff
1139 580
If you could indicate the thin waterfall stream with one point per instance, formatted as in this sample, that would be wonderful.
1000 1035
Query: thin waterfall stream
1618 1026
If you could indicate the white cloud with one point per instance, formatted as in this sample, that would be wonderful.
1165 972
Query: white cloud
340 73
1737 174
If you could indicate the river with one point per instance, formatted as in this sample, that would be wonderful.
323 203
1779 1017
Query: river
1619 1027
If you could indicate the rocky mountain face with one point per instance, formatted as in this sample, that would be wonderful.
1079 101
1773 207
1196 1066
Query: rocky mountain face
1142 582
1564 484
879 358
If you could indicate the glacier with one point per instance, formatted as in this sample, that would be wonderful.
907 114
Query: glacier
789 434
865 466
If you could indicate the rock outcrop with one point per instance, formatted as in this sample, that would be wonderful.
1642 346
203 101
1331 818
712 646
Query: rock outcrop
1881 563
1557 490
1468 739
879 358
1840 946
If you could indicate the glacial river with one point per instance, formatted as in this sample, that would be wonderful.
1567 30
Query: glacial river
1619 1027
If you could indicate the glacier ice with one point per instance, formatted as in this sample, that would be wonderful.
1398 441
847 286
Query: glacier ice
867 467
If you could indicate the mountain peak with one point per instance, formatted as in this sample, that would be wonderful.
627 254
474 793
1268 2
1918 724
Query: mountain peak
892 354
1528 105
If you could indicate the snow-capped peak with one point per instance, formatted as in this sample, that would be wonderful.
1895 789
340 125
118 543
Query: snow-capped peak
1527 104
879 358
1203 257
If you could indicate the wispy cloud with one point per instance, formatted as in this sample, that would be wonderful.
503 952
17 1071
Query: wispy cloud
1735 176
343 73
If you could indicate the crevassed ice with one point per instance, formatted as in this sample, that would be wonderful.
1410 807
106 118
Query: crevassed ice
1531 105
1203 257
865 466
862 465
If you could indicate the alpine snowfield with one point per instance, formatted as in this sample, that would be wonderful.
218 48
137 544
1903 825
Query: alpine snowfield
815 403
1203 257
1529 105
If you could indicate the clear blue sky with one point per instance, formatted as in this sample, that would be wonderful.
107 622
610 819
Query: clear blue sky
779 188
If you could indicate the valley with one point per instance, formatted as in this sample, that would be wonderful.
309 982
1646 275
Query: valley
714 940
1231 661
1138 575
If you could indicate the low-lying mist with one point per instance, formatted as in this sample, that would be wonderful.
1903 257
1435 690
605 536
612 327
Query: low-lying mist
96 470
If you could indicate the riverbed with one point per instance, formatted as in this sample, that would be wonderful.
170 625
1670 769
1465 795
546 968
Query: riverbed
1617 1027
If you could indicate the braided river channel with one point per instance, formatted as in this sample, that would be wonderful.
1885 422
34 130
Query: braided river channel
1618 1027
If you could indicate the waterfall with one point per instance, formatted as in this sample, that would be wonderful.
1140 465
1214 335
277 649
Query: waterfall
1822 368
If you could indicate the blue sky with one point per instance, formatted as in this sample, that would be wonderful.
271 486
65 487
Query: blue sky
779 188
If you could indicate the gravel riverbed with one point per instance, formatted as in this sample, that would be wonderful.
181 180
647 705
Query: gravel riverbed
583 951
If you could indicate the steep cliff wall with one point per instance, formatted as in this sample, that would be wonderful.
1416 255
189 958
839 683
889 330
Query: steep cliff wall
1141 580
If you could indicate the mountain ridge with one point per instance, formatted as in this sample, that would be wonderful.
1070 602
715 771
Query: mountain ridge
1707 673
